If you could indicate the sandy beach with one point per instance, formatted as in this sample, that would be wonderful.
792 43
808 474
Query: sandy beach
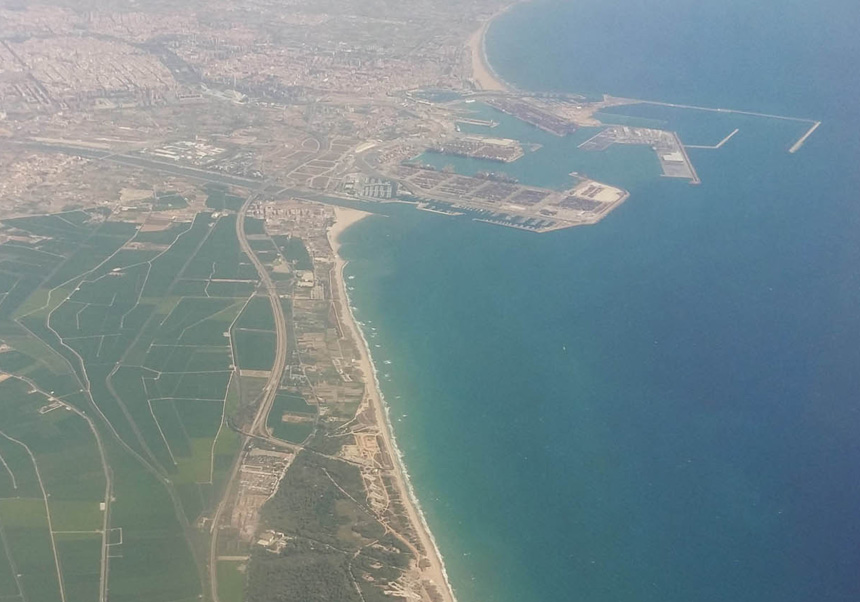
482 73
435 569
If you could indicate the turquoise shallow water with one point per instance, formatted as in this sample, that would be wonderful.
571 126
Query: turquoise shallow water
662 407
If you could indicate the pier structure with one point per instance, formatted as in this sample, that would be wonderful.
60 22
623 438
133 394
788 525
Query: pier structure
718 145
794 148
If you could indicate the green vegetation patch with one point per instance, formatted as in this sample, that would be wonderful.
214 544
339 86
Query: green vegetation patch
128 385
255 350
12 300
8 584
208 360
257 315
220 200
213 331
80 559
124 258
25 531
152 540
97 248
171 428
226 447
292 432
23 513
17 477
117 296
153 567
15 362
73 515
200 419
188 385
231 581
35 348
305 570
165 269
162 237
222 288
284 403
7 281
220 256
294 250
262 244
254 226
190 288
182 358
196 469
309 504
62 226
188 313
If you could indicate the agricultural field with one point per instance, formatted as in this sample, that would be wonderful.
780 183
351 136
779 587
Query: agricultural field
125 356
133 362
52 487
291 418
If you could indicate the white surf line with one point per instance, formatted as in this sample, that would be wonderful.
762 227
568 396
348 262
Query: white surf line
717 145
803 139
9 470
47 513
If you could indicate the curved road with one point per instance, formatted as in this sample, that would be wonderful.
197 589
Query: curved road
258 426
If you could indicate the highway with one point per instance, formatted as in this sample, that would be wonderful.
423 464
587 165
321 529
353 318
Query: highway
192 173
105 531
258 426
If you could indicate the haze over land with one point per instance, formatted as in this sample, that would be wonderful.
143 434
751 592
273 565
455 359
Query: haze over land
190 408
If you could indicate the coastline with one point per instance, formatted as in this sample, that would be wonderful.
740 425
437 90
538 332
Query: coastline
435 572
483 75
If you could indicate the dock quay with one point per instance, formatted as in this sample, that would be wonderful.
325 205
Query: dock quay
482 122
674 161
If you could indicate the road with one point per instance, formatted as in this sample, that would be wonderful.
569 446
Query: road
193 173
105 532
60 581
258 426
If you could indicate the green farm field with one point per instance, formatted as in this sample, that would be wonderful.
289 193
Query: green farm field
120 353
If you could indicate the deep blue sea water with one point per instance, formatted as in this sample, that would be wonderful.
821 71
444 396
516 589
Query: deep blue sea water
662 407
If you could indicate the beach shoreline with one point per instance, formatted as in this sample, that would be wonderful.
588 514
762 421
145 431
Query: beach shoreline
483 75
435 572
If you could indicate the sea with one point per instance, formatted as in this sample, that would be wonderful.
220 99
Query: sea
665 406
